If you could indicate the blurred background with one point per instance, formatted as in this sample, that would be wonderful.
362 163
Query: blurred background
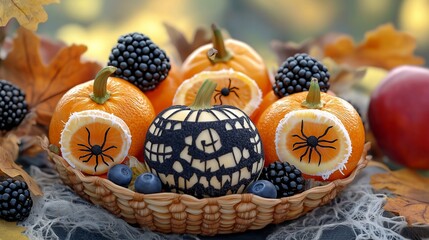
98 23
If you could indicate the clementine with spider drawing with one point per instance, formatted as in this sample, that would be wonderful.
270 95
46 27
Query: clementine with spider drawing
322 135
93 141
311 137
109 94
233 88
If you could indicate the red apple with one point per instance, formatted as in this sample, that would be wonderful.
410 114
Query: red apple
398 116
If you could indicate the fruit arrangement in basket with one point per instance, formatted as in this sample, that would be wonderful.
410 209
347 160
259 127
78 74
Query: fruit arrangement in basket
204 143
212 138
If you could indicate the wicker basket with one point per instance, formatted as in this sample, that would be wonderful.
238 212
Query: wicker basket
180 213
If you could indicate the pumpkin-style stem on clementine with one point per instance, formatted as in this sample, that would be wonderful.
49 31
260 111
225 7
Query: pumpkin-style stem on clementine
100 94
204 95
221 54
313 100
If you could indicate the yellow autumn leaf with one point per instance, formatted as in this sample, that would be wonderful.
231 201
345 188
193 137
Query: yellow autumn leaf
385 47
28 13
9 230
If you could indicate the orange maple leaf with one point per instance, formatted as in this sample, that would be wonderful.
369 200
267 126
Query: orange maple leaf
384 47
44 84
411 194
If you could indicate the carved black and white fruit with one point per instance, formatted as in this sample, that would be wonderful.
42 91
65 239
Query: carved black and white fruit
206 152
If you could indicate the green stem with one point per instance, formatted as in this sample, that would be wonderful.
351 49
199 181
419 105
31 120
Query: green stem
313 100
100 94
204 96
222 54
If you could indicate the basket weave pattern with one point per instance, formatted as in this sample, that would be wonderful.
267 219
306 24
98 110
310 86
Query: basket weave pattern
180 213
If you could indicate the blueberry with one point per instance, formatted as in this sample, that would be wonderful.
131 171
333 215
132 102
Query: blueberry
263 188
147 183
120 174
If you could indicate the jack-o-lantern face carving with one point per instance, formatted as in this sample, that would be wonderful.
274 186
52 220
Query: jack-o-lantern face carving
210 152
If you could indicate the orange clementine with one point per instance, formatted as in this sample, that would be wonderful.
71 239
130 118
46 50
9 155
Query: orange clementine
162 96
109 94
231 53
269 99
316 139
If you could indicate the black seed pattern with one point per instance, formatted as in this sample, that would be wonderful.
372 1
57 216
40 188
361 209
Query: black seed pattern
295 75
15 200
139 61
13 107
286 178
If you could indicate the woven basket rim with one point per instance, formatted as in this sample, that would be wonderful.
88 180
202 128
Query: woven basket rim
170 195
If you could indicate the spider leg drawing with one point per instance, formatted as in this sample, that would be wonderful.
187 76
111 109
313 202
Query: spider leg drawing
218 95
95 150
225 91
311 143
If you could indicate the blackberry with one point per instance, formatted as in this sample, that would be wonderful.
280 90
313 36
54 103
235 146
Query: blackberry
286 178
13 107
15 200
139 61
295 75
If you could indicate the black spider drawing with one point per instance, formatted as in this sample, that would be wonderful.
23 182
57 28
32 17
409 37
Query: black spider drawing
225 92
311 143
96 150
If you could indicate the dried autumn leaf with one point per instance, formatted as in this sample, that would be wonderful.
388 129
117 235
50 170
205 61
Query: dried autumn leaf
342 77
45 84
384 47
26 126
9 151
283 50
411 194
28 13
49 48
313 47
137 168
27 134
9 230
182 45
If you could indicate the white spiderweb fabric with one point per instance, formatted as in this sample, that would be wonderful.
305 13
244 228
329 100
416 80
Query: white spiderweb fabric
60 207
357 208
